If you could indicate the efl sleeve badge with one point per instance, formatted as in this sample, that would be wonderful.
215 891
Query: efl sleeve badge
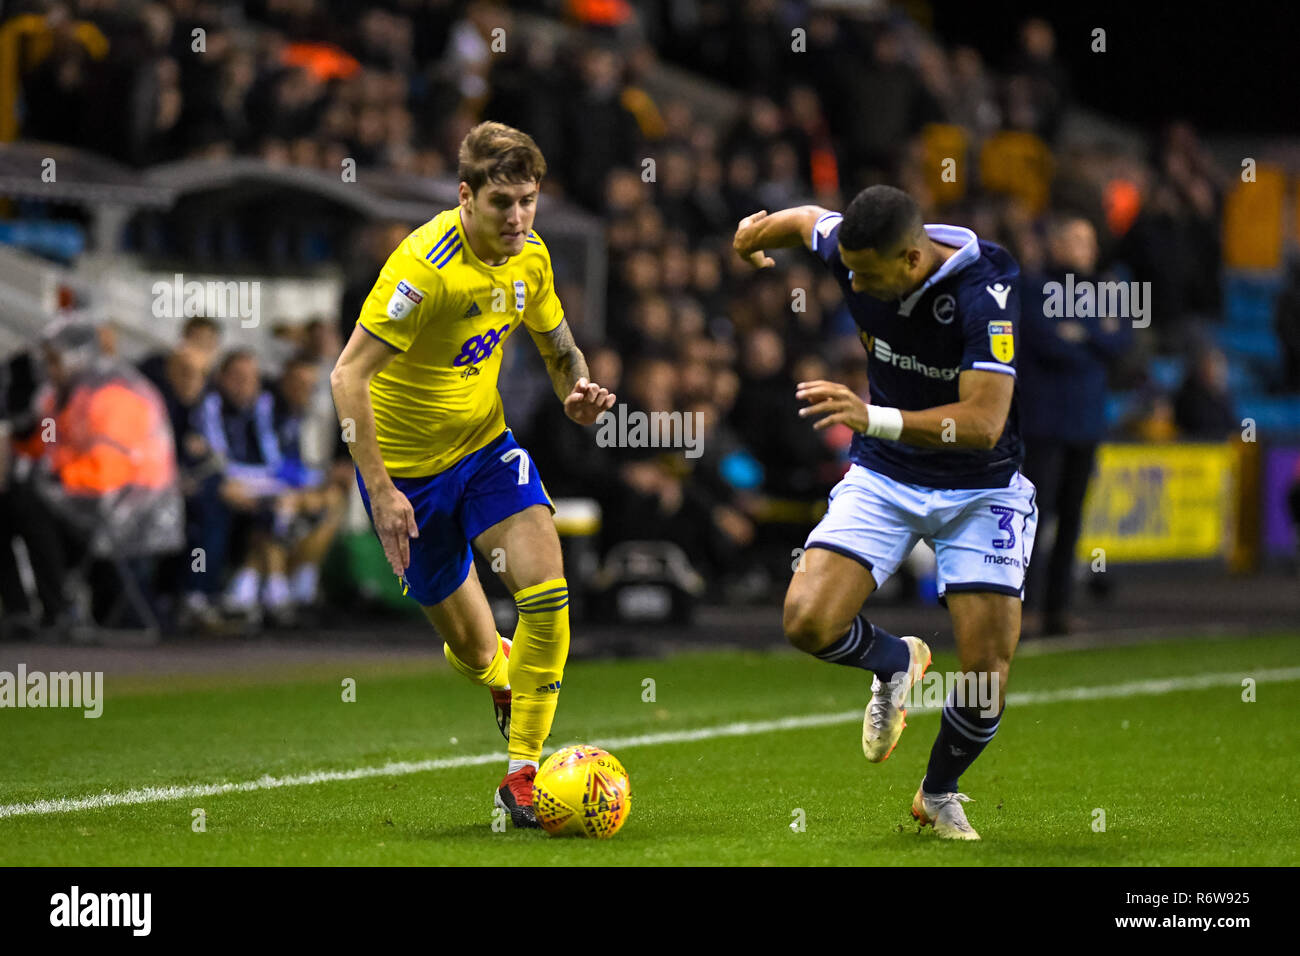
1002 341
405 298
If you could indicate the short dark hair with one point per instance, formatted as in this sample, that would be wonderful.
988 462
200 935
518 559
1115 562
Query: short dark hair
200 322
233 356
879 218
496 153
1060 219
300 359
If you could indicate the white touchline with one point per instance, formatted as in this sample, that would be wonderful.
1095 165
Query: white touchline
1143 688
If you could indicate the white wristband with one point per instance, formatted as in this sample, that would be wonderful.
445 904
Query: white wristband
884 422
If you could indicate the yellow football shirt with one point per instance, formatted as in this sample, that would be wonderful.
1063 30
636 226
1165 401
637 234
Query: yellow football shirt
449 314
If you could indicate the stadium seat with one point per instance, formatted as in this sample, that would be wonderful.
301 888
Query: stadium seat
64 241
1019 164
1167 371
1249 299
1252 221
1272 414
1117 406
1244 377
133 530
945 141
1259 344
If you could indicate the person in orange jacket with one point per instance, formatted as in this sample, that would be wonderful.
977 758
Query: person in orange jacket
104 427
97 468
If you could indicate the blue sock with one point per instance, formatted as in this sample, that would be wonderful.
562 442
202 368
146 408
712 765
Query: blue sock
963 735
870 648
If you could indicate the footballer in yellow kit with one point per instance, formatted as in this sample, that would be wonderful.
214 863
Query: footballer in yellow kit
416 392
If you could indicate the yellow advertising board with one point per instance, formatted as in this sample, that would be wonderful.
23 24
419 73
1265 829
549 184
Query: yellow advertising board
1160 502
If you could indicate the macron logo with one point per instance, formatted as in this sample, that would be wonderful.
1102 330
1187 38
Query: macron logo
999 291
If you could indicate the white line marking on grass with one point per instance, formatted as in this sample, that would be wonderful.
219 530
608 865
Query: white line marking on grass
266 782
1143 688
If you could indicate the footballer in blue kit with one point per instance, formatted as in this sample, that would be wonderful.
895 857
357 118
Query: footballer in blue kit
936 457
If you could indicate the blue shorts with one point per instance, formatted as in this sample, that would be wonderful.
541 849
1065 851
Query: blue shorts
455 506
982 537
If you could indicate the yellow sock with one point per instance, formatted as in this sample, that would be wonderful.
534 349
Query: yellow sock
496 675
537 656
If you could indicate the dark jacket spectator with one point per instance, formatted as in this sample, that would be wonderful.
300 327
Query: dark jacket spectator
1286 323
1063 366
182 390
237 420
596 118
766 418
1203 409
202 335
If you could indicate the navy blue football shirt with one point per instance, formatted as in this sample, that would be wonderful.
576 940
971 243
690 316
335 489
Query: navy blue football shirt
966 316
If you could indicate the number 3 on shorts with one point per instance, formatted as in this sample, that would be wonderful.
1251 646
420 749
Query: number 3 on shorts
522 455
1005 516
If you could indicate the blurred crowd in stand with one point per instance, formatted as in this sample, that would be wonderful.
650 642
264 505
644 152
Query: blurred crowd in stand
688 327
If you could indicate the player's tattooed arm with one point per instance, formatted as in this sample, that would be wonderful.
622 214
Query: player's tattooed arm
564 360
583 399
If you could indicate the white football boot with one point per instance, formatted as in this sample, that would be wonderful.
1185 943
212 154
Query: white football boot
944 812
883 722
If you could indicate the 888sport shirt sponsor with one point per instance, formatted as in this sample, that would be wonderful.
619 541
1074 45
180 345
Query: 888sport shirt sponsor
449 314
966 316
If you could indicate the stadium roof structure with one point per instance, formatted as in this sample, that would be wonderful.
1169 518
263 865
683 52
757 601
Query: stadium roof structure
207 175
112 194
77 177
82 178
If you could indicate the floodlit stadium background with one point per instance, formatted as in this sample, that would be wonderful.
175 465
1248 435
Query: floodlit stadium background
281 149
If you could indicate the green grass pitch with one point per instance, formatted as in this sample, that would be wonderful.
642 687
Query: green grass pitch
1186 773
